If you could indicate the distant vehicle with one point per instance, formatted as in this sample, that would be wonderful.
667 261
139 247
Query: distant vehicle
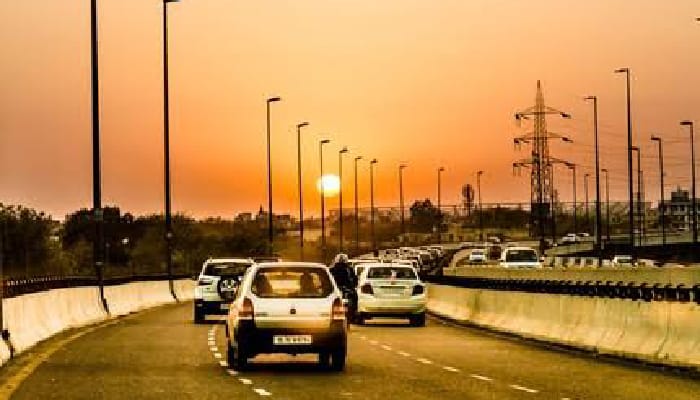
477 256
217 284
520 257
570 238
391 291
494 252
391 253
623 261
262 259
425 257
290 308
493 239
412 263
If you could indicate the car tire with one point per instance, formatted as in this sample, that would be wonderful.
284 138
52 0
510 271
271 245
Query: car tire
199 317
417 320
324 359
338 359
359 319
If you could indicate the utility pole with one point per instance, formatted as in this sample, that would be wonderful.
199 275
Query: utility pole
607 203
403 218
692 177
598 226
585 195
481 213
270 222
301 191
630 188
323 199
639 192
662 205
340 197
573 180
371 199
357 215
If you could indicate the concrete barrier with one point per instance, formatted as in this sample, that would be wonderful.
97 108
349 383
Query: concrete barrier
657 332
34 317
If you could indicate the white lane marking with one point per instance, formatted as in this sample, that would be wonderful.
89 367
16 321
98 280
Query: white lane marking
523 388
223 363
480 377
424 361
451 369
232 372
217 355
363 337
262 392
214 349
373 342
387 348
245 381
403 353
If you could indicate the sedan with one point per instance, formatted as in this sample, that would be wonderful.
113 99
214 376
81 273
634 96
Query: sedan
391 291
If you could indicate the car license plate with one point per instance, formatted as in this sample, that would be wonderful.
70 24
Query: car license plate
286 340
225 306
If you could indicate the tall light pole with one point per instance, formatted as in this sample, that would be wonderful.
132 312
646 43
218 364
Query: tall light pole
607 203
572 167
662 211
357 210
340 196
692 177
371 200
639 190
323 199
166 143
96 164
439 194
301 196
481 217
598 226
626 71
585 195
270 228
403 218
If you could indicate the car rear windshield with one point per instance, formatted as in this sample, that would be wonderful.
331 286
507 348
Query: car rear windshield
292 282
226 268
521 255
391 273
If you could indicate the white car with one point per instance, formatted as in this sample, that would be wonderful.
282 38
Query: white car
570 238
217 284
623 261
393 291
290 308
478 256
519 257
412 263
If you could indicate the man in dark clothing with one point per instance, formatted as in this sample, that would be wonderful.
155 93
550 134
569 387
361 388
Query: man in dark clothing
346 280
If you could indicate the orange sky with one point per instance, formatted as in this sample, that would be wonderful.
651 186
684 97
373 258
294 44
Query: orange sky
424 82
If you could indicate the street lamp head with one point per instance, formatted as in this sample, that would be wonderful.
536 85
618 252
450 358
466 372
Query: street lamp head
594 98
170 1
402 166
273 99
687 123
441 169
604 170
343 150
303 124
374 161
634 148
358 158
566 115
479 173
325 141
571 165
656 138
567 140
622 70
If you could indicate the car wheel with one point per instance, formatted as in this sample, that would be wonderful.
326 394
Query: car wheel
199 316
417 320
324 359
359 319
338 359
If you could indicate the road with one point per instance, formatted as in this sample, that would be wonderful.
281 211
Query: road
161 354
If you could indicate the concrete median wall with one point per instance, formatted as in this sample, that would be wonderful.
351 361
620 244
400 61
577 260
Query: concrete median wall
34 317
657 332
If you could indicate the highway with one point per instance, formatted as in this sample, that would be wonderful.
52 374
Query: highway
161 354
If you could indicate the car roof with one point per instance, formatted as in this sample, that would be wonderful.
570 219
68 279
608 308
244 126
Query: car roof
519 248
229 260
293 264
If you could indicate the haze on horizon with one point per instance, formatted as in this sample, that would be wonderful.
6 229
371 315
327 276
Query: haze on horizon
405 81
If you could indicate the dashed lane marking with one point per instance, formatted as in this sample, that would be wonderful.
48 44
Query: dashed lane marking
214 348
232 372
373 342
223 363
424 361
403 353
262 392
387 348
523 389
245 381
217 355
451 369
481 377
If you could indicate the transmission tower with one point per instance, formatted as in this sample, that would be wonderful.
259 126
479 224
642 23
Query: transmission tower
540 162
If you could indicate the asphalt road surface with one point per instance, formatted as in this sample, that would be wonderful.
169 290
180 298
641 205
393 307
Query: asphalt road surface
161 354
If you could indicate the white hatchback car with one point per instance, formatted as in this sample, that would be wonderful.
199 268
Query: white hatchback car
520 257
291 308
217 285
391 290
477 256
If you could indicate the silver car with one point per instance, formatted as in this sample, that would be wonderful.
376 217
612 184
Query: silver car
391 290
291 308
217 284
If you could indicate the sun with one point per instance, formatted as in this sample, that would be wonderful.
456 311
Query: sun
329 185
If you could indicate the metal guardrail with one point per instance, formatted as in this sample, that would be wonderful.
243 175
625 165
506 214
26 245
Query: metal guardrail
610 289
18 287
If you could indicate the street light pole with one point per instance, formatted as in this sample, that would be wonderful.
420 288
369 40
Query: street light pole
607 203
401 206
692 166
270 228
626 71
598 225
357 215
662 206
573 170
585 195
340 196
481 216
439 204
639 191
371 199
301 196
323 200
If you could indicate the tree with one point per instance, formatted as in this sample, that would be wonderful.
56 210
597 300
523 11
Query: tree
425 216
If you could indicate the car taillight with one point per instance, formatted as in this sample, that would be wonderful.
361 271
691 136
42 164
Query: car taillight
366 289
246 310
418 289
205 281
338 309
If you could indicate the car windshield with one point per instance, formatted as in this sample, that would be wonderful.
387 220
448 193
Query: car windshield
478 252
391 273
292 282
226 268
521 256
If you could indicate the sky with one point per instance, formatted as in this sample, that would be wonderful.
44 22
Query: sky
422 82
